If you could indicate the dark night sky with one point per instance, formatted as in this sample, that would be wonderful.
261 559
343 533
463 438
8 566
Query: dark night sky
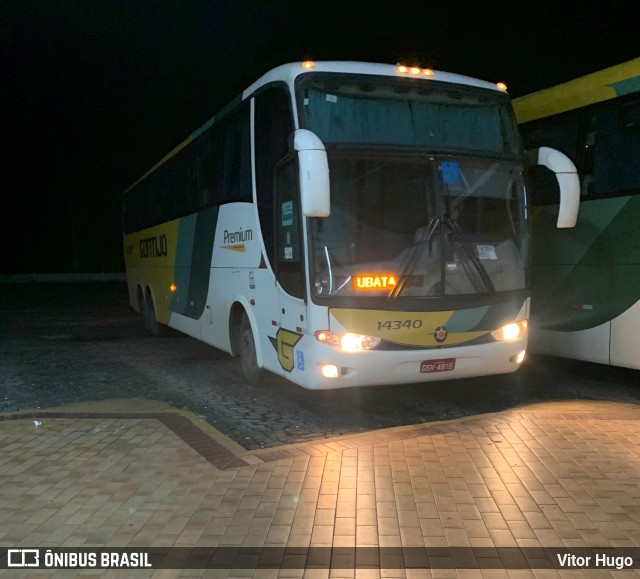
94 92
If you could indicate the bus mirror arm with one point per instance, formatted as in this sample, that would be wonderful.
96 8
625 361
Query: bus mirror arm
568 182
314 174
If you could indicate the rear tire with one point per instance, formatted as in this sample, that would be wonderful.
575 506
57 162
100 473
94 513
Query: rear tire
150 322
251 372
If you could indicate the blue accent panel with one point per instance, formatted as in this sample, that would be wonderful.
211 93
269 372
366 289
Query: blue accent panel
450 173
466 320
626 86
300 360
204 128
483 318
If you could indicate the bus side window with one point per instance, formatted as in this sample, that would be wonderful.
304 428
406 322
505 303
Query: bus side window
224 161
273 123
588 160
542 186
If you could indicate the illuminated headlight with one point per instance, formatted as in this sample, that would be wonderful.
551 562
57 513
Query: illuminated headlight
511 331
346 341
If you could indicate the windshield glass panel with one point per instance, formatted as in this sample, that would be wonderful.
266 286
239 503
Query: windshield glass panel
419 226
408 113
484 218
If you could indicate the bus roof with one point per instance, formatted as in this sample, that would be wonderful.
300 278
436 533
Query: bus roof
603 85
289 72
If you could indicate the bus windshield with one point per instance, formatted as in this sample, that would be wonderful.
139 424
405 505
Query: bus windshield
416 225
427 195
407 113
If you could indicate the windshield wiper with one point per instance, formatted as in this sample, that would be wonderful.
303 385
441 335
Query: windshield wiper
412 260
473 258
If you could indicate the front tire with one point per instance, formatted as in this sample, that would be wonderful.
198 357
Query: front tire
251 372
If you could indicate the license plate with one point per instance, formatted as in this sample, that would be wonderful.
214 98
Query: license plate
441 365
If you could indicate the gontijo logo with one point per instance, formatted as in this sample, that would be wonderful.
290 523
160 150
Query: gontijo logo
155 246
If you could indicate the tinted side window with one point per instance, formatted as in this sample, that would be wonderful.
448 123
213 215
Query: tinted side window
273 123
224 160
616 140
214 169
601 139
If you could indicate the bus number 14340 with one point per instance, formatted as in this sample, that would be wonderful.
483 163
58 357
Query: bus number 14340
400 324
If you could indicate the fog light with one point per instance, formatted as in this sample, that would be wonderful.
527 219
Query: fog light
520 357
330 371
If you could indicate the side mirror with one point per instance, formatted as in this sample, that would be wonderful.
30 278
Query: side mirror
568 181
314 174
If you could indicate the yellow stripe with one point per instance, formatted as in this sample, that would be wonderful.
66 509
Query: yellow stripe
574 94
157 272
177 149
410 328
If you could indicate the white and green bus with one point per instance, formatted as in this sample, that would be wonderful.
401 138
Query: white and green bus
344 224
586 281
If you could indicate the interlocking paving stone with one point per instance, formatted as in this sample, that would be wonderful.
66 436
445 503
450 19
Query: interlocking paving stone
517 479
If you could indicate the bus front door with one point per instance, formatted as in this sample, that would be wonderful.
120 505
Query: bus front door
290 271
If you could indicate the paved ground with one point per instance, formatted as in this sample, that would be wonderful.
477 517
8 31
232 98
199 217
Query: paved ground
561 476
63 343
112 439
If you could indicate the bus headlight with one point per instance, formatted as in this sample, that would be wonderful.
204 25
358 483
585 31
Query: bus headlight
347 342
511 331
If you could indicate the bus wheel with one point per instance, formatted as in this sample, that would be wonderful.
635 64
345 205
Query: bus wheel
150 321
250 370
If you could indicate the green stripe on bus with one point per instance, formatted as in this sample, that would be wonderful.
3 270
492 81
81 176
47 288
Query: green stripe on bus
196 234
593 277
200 271
186 231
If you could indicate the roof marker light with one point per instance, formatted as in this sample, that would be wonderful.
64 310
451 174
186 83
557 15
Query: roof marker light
501 86
308 64
415 70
